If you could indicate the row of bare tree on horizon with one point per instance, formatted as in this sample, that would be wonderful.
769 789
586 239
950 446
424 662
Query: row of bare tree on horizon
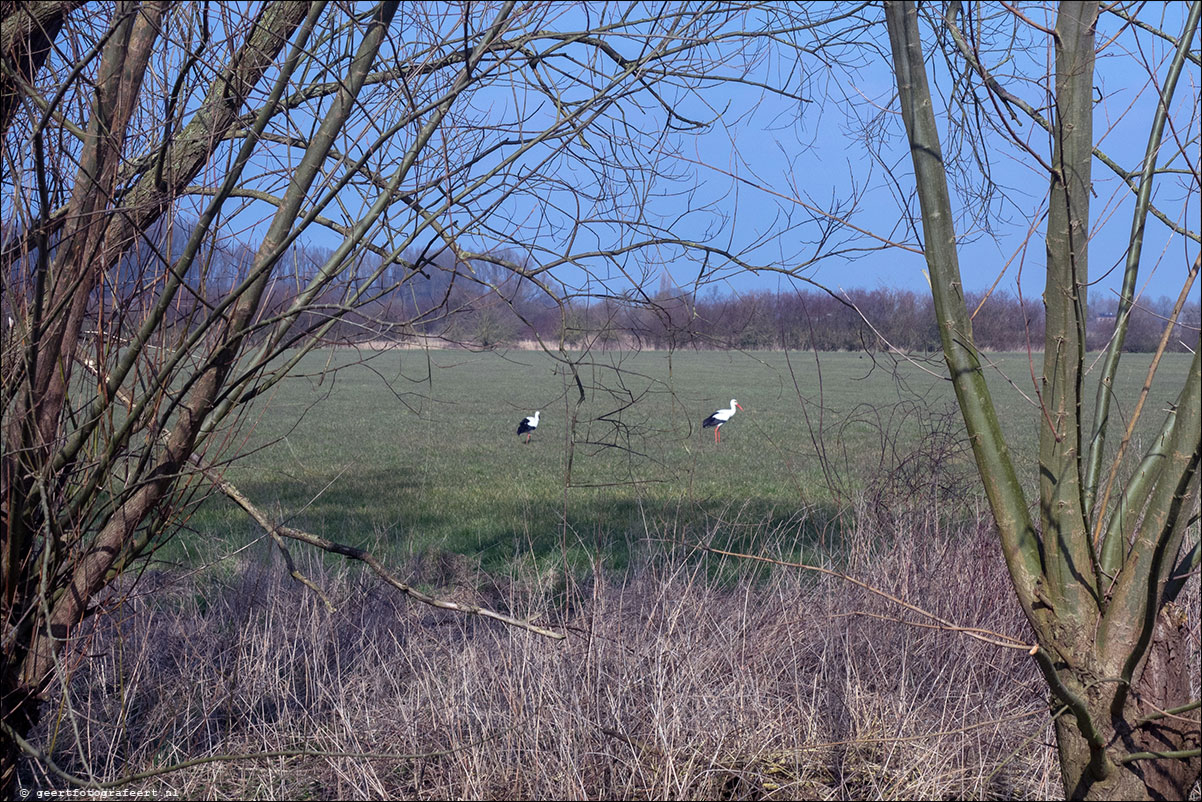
438 299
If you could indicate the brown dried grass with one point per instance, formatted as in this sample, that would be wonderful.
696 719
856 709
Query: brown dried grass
777 685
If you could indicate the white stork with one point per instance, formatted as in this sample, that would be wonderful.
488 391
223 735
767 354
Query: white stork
720 417
528 425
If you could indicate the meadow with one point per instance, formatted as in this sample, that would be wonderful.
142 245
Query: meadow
684 675
415 452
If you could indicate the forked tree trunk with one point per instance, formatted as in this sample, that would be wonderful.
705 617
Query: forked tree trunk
1093 580
1141 727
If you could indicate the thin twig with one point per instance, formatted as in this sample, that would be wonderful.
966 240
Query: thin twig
355 553
997 639
1180 754
1143 395
279 531
1172 712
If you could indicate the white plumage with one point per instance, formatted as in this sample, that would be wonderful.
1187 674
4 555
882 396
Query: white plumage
720 417
528 425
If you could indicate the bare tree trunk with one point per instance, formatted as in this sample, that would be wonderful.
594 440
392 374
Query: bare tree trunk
1164 682
1111 645
1142 728
91 242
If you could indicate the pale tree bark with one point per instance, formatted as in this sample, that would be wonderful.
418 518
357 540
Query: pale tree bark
1112 642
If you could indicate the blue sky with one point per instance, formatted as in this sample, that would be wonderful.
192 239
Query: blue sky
762 178
822 155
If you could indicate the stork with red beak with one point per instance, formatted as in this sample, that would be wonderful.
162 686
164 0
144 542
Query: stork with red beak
720 417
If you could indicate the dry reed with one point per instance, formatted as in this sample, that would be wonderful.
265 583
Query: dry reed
771 685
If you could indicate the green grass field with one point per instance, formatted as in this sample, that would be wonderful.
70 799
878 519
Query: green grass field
409 451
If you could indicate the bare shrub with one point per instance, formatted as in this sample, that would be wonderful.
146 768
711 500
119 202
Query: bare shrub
672 686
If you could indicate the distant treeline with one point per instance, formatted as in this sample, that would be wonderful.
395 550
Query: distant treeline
803 319
489 303
486 305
